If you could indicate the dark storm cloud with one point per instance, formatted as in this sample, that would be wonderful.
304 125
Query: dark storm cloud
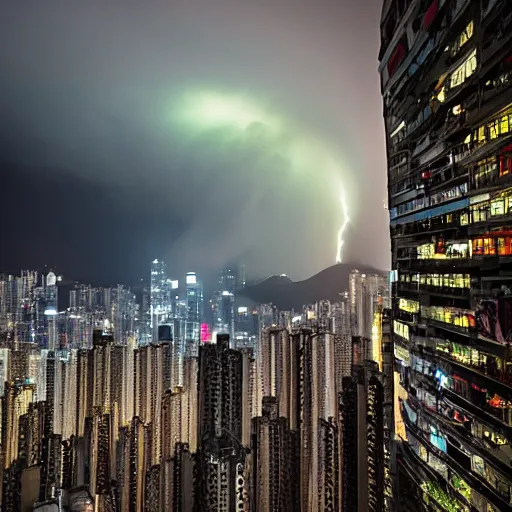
88 89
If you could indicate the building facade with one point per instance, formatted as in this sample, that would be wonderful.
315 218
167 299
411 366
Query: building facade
446 75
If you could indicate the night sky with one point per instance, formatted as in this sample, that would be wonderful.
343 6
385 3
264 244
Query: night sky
198 131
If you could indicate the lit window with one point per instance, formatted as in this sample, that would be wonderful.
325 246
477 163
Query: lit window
497 207
494 129
505 168
481 134
504 125
464 71
467 34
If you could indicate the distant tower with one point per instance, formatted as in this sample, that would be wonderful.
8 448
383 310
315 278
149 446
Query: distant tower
194 298
160 296
223 304
50 311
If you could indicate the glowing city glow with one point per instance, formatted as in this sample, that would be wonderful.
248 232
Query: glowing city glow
345 221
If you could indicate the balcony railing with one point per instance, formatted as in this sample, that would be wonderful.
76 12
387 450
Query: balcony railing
438 265
485 370
442 290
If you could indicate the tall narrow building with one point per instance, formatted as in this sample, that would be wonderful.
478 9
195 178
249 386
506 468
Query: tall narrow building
275 463
362 440
194 313
221 456
446 76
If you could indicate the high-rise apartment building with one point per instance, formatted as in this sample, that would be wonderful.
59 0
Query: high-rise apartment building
221 455
275 463
194 312
362 440
446 75
365 294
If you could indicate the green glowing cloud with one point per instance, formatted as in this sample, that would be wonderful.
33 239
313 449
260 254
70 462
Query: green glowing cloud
304 156
212 109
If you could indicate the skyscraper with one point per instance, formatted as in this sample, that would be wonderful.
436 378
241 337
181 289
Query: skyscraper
362 439
221 455
194 301
161 296
223 303
275 463
446 75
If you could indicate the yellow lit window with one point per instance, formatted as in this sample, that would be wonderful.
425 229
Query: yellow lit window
464 71
494 129
467 34
497 207
481 134
504 125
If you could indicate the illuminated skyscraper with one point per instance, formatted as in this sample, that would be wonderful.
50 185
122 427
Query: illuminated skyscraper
51 310
446 79
194 300
223 313
223 304
161 296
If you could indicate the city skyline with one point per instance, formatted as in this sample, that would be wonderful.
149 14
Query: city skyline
118 405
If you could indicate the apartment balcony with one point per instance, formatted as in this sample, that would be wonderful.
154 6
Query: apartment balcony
488 414
502 38
491 223
500 459
428 227
496 381
490 182
445 266
442 291
418 472
474 480
467 337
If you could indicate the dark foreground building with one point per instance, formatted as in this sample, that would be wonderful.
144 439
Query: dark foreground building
446 73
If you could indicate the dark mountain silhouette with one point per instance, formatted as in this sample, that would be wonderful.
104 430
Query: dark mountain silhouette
287 294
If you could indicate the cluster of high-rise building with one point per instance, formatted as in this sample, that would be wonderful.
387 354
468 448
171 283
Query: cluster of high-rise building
29 312
446 72
294 416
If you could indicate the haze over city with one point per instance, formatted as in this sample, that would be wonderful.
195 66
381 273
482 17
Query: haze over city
201 132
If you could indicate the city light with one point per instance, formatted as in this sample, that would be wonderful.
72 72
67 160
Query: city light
191 278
